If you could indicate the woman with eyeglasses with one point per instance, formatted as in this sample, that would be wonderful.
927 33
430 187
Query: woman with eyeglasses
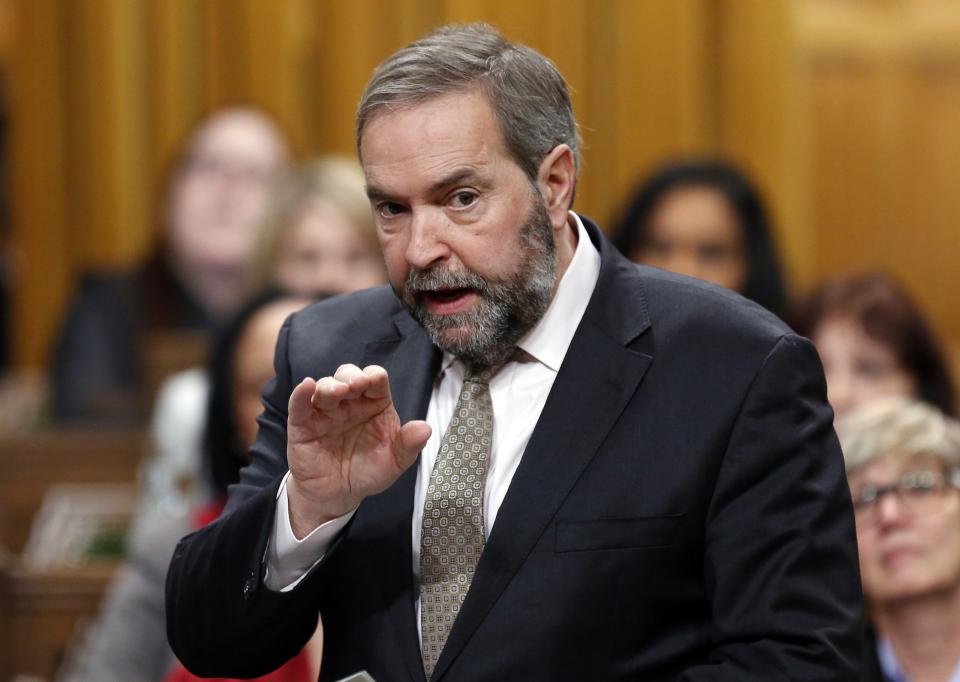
903 466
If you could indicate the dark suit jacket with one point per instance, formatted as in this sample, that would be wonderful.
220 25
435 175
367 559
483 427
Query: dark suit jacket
680 512
871 670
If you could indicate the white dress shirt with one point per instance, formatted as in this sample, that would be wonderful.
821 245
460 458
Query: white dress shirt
518 392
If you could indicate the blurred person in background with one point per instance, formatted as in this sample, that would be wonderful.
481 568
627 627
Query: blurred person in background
196 278
128 641
903 464
704 218
873 341
317 238
319 234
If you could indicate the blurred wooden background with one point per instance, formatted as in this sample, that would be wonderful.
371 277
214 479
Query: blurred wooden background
847 112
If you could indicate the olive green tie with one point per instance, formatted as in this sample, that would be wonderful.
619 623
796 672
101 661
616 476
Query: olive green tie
452 534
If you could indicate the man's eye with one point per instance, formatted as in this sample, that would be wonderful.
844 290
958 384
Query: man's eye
389 209
463 199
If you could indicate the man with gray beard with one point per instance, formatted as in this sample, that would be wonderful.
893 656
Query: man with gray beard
505 311
531 460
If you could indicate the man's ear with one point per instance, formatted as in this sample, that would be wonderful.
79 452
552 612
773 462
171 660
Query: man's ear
556 180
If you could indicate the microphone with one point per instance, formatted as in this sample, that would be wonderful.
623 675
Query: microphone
362 676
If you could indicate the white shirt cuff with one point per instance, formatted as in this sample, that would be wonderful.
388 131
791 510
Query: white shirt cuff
288 559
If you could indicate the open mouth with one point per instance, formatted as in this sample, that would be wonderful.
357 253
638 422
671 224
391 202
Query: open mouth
448 301
447 294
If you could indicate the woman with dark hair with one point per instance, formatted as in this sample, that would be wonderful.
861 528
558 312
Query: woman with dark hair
241 363
705 219
874 342
128 641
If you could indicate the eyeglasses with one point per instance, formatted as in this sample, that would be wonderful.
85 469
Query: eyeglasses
917 492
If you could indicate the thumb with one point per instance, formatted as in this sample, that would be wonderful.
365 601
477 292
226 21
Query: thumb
412 437
299 407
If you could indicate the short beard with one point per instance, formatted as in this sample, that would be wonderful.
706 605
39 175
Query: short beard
508 308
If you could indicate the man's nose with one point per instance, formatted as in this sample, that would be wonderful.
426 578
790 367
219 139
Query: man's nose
427 243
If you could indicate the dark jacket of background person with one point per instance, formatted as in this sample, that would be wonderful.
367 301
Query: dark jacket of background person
680 512
98 360
764 282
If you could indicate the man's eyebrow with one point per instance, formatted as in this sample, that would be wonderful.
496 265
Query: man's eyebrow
374 193
455 178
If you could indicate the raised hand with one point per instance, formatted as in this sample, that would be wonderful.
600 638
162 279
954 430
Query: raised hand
344 443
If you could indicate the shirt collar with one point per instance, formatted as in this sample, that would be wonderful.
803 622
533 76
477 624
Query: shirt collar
888 662
891 666
548 341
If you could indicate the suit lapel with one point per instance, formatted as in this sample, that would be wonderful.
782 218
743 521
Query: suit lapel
599 375
412 363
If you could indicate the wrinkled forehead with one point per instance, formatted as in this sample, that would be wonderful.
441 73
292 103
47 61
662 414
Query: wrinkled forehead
448 117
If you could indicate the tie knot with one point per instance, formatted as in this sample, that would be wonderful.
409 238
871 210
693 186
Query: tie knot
479 375
482 375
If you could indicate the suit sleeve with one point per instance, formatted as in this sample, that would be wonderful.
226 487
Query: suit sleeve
780 560
221 620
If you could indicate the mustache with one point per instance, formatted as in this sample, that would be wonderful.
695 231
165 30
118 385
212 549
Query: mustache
420 281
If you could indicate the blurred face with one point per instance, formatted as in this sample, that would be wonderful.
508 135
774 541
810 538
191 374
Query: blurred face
324 251
220 191
910 542
468 242
858 368
694 231
253 363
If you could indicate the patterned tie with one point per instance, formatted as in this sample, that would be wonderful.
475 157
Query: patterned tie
452 534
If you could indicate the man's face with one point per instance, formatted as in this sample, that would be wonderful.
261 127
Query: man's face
466 237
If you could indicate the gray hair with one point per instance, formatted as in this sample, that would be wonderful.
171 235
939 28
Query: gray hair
900 427
528 95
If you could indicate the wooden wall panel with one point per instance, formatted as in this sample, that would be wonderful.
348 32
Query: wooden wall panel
353 38
175 82
656 82
761 117
851 159
927 182
884 153
42 263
